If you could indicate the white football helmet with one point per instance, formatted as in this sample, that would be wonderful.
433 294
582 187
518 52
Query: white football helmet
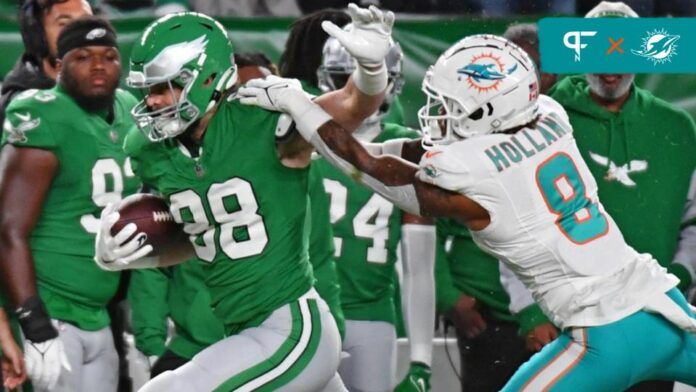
337 65
480 85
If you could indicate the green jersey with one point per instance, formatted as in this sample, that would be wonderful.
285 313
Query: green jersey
180 292
93 171
243 210
367 229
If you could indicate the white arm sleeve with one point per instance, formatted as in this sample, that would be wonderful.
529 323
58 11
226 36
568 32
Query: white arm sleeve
403 196
390 147
520 297
686 248
309 117
418 289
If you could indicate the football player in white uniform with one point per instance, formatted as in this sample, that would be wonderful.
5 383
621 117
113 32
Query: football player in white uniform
502 160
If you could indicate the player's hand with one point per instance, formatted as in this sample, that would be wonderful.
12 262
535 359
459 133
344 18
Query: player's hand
540 336
417 379
124 250
367 40
466 317
273 93
12 364
45 361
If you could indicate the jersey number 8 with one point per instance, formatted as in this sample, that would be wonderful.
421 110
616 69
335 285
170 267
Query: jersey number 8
565 195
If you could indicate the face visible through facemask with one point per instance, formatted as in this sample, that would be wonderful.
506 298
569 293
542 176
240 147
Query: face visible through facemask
610 87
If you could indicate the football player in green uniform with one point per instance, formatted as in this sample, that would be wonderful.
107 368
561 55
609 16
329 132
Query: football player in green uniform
367 229
61 163
180 292
242 201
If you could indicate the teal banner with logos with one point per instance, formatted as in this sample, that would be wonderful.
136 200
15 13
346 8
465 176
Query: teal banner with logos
618 45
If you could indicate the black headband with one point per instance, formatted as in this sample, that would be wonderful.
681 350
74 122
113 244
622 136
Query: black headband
90 31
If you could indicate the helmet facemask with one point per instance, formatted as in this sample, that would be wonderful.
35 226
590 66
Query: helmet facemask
444 120
483 84
172 120
188 56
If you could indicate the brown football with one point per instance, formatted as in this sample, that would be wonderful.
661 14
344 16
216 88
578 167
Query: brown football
151 215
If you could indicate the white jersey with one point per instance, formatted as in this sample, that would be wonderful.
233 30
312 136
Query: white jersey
547 224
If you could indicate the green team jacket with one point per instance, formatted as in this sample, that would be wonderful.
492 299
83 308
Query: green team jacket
180 292
653 144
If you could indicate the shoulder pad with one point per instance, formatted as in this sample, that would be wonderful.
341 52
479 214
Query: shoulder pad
43 96
442 167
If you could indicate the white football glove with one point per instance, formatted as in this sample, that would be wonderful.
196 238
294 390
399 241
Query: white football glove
285 95
113 253
45 361
368 39
273 93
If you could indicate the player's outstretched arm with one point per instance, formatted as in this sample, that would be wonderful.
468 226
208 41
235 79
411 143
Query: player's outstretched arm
388 175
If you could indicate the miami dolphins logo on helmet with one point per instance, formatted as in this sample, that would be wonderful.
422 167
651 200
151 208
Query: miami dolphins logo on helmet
485 72
658 46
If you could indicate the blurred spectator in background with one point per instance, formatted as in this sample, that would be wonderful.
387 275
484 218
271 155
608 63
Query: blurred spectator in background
252 65
40 22
497 8
648 8
526 35
303 49
146 8
245 8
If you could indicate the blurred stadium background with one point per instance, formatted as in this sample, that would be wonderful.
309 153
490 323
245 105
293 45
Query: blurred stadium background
422 35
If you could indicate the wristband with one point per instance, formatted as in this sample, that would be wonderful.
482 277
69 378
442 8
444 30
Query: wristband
370 82
35 321
308 118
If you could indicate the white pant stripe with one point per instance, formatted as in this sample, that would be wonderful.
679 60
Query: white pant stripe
292 357
559 365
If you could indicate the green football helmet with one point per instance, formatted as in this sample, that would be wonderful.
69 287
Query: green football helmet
187 50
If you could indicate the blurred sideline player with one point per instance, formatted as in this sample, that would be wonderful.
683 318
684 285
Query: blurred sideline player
62 161
180 293
242 198
367 229
505 163
40 22
526 36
